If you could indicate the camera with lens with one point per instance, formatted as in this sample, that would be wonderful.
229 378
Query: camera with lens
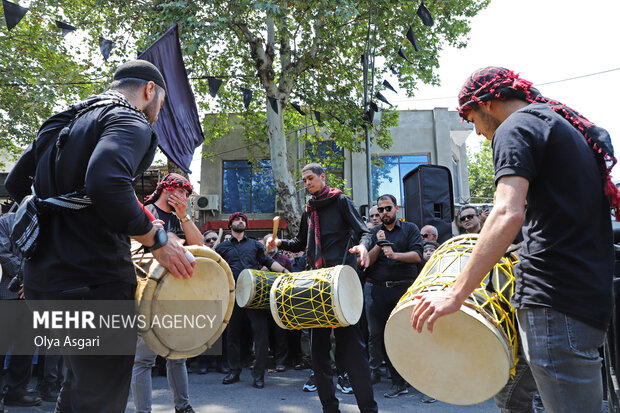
16 283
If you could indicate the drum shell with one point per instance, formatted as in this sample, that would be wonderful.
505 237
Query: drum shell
253 288
327 297
212 282
470 354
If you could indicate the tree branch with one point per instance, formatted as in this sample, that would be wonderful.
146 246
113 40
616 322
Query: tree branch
262 60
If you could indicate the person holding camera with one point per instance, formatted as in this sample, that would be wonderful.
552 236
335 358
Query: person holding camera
13 389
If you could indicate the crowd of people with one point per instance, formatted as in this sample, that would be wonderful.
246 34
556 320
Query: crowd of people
546 157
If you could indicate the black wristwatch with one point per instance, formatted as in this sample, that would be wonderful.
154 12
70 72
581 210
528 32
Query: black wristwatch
161 239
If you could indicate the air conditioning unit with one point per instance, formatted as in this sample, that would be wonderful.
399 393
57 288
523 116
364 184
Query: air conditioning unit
207 202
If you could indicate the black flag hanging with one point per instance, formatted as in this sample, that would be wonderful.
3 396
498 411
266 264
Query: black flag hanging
403 55
178 126
425 15
382 98
105 47
247 97
13 13
411 39
387 85
394 71
274 103
298 109
214 85
317 115
66 28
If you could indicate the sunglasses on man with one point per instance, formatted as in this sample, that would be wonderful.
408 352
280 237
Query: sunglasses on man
466 217
386 209
212 239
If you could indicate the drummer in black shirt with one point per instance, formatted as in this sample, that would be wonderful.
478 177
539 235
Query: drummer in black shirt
241 252
396 253
334 226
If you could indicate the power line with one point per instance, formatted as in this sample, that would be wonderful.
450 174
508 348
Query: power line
537 84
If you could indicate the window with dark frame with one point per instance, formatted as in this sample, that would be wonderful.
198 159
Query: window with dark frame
248 187
388 177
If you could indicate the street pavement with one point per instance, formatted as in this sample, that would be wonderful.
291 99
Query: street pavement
282 394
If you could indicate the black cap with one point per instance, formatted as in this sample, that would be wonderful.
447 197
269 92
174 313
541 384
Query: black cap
140 69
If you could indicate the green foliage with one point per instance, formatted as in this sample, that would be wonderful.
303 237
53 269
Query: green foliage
302 51
481 174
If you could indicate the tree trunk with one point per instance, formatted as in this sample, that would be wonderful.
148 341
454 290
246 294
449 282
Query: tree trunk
285 184
174 168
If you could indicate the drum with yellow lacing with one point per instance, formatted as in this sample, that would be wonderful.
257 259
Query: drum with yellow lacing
190 300
327 297
253 287
470 354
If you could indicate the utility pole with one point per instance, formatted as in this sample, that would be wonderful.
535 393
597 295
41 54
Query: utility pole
368 64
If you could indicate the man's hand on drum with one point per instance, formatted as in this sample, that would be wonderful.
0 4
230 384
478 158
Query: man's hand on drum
174 257
362 253
431 306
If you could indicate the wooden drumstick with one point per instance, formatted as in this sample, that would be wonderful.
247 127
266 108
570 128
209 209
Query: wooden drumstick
276 224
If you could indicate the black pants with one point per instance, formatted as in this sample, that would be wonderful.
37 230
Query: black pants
94 384
259 320
19 368
351 356
380 302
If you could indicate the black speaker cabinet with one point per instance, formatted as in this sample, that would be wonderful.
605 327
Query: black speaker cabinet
429 199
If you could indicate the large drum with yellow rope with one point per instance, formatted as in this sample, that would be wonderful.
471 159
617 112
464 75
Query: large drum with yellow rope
205 299
253 288
470 354
327 297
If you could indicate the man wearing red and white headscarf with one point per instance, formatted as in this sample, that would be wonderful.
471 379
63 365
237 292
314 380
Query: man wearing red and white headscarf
169 204
547 155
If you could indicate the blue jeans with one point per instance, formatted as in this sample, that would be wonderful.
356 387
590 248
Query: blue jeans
142 385
563 355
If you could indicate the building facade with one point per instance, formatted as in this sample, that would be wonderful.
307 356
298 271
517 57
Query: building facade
229 182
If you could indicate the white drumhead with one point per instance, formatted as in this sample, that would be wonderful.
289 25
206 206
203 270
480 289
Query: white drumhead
245 289
464 361
347 295
198 294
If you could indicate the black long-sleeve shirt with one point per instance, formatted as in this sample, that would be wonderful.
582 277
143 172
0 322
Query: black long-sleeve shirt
247 253
405 237
106 148
340 225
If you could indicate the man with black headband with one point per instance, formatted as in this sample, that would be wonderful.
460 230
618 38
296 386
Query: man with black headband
329 226
241 252
87 156
546 155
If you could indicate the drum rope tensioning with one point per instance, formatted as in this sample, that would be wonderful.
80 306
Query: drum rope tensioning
472 353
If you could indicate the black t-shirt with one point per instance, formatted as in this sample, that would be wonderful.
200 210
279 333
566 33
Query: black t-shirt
172 223
405 237
567 255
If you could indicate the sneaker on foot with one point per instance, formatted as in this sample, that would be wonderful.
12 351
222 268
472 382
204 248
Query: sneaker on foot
187 409
396 390
310 385
344 385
